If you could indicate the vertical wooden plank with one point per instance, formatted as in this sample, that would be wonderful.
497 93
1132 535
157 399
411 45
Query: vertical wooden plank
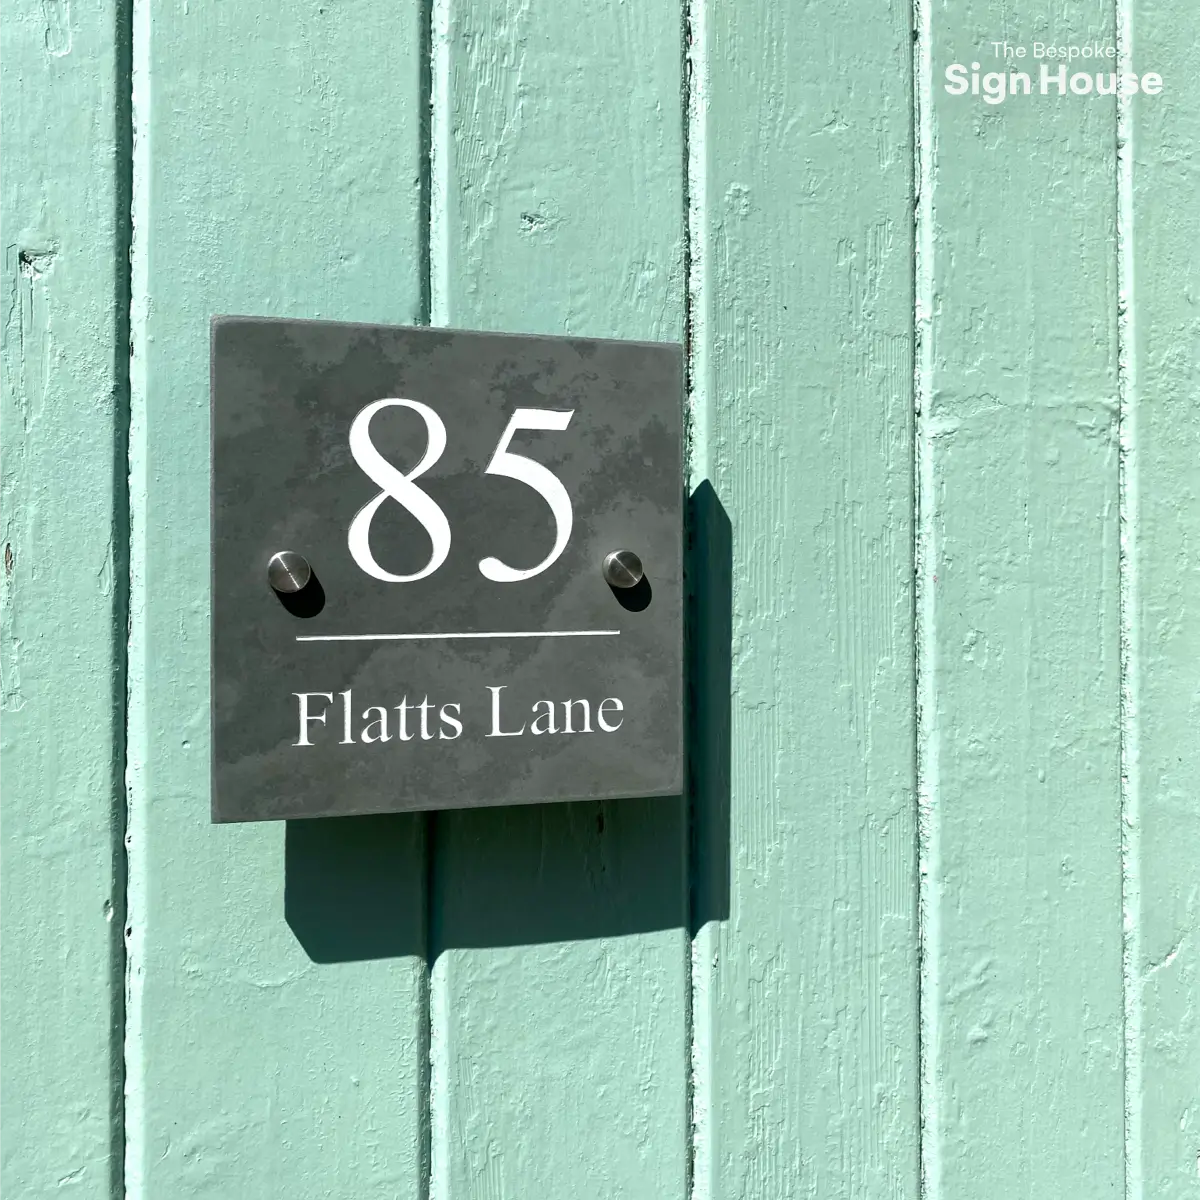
806 997
1161 486
559 998
65 350
277 171
1019 608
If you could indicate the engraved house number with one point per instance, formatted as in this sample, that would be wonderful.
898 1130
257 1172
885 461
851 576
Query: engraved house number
397 486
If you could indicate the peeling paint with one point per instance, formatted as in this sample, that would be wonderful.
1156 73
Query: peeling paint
27 334
59 35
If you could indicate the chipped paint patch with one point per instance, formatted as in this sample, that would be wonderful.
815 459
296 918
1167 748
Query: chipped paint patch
25 347
59 35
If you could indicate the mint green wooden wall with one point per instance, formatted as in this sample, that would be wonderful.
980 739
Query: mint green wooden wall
927 925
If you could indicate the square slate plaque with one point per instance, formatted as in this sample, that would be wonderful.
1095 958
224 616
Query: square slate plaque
454 496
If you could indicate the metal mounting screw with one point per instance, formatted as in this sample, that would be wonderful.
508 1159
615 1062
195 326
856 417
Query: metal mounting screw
288 571
623 569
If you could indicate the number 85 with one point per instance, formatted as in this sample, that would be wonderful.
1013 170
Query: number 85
397 486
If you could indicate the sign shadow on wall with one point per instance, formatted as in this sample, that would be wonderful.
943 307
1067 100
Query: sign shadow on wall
394 885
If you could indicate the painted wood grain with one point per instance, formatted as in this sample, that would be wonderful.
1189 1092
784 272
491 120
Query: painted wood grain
64 331
1019 607
1161 539
801 155
277 172
63 411
998 1003
558 1023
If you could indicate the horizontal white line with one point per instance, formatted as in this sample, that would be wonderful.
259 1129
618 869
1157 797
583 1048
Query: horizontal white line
436 637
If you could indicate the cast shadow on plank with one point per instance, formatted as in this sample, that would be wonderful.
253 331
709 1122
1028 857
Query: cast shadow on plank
355 887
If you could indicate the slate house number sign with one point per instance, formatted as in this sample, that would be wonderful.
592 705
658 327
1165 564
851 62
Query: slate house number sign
446 569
